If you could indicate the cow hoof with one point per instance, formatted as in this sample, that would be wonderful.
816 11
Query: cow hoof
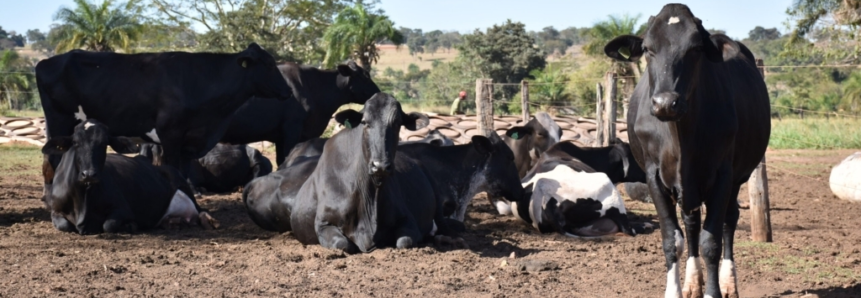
341 244
405 242
461 243
208 222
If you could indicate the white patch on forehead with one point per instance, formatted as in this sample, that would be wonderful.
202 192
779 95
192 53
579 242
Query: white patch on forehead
152 135
673 20
88 125
80 114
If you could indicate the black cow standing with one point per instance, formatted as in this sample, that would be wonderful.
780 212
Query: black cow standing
319 93
699 125
361 194
95 192
179 100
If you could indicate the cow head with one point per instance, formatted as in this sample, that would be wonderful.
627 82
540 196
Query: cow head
528 142
500 173
380 122
261 71
357 81
87 148
676 45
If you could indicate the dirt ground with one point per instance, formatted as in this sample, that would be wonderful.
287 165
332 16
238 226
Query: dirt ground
816 251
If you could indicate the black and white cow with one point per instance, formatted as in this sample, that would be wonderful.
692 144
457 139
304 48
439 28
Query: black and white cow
529 141
572 203
616 161
318 92
699 125
95 192
182 101
362 195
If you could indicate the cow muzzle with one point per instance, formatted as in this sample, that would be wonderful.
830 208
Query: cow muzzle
668 106
379 170
89 177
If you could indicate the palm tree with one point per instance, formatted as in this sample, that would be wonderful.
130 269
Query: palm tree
604 32
98 28
852 92
355 33
14 81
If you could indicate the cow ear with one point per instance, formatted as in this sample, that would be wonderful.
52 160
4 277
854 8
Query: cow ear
249 55
345 70
415 121
519 132
57 145
349 118
482 144
123 145
627 48
720 48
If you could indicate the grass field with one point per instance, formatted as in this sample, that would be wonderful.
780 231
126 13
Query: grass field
815 133
400 59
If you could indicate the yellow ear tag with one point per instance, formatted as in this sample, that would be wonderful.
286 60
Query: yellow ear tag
244 64
625 52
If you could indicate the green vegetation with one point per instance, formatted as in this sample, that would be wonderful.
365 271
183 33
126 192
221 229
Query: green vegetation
355 34
100 28
20 160
16 83
815 133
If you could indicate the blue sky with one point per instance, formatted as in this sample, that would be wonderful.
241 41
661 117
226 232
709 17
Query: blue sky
736 17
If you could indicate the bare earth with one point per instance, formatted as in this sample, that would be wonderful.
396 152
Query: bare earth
816 250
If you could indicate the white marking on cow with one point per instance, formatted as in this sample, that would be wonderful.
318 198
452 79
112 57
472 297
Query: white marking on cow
154 136
80 115
477 183
88 125
693 276
180 206
680 243
566 184
514 211
433 229
727 278
673 20
673 289
708 296
503 208
552 128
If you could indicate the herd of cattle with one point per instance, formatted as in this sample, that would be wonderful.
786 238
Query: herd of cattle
698 126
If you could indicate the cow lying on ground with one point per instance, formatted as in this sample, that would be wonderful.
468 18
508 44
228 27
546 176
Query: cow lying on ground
95 192
572 203
182 101
699 125
529 141
224 169
616 161
319 93
363 195
458 173
270 199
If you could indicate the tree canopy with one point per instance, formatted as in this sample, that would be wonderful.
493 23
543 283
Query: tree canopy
355 34
98 27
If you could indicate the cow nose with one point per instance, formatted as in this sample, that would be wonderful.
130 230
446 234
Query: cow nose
88 176
666 105
380 167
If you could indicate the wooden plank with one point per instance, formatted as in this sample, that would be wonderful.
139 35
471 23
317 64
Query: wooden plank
609 108
757 186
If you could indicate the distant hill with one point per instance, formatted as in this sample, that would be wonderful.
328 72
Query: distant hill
400 59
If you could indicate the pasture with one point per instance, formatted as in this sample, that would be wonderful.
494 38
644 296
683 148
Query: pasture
817 250
400 58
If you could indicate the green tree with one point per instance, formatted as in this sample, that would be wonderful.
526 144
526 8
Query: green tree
549 87
15 81
505 53
355 33
852 92
825 30
605 31
98 27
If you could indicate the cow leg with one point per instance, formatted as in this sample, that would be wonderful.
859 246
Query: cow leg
711 236
288 140
331 237
671 233
728 280
61 223
693 287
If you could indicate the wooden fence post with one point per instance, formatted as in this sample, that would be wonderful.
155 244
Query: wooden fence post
484 106
609 108
599 116
757 188
524 100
